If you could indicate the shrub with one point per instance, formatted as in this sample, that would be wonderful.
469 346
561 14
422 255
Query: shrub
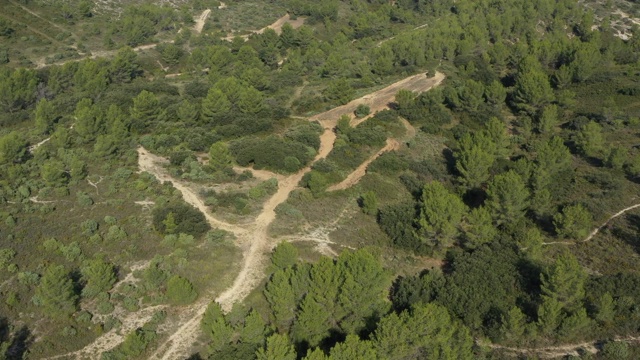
180 291
188 220
284 255
362 110
84 199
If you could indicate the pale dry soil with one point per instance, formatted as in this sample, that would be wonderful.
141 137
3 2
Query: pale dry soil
276 26
201 20
553 352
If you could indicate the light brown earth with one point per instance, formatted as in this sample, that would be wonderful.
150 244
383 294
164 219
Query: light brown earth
552 352
201 20
276 26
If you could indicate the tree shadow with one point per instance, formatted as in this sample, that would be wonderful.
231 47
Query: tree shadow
22 339
450 160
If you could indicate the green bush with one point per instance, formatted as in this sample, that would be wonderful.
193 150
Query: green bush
362 110
180 291
188 220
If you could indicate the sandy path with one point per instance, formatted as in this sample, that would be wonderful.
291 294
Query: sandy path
550 352
276 26
114 337
150 163
381 99
259 174
201 20
33 148
360 171
596 230
619 213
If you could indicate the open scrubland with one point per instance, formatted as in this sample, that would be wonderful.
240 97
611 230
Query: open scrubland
292 179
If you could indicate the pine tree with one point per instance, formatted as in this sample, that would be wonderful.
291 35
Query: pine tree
440 213
514 324
180 291
478 228
254 329
278 348
564 282
281 297
13 148
496 131
45 116
99 276
549 314
507 198
474 159
88 120
573 222
219 156
145 111
215 326
532 89
590 140
215 106
548 119
352 348
284 255
56 292
312 325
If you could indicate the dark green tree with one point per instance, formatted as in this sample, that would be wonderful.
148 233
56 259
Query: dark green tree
45 116
56 292
573 222
507 198
440 214
13 148
99 276
278 347
145 111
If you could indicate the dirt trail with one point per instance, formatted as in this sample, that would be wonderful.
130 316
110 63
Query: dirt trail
596 230
201 20
360 171
619 213
114 337
276 26
33 148
259 174
150 163
550 352
254 239
380 99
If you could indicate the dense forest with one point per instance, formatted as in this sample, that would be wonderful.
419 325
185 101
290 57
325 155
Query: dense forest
361 179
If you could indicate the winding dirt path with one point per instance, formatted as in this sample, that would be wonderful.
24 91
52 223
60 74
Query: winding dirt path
201 21
276 26
360 171
550 352
619 213
596 230
255 241
252 239
152 164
